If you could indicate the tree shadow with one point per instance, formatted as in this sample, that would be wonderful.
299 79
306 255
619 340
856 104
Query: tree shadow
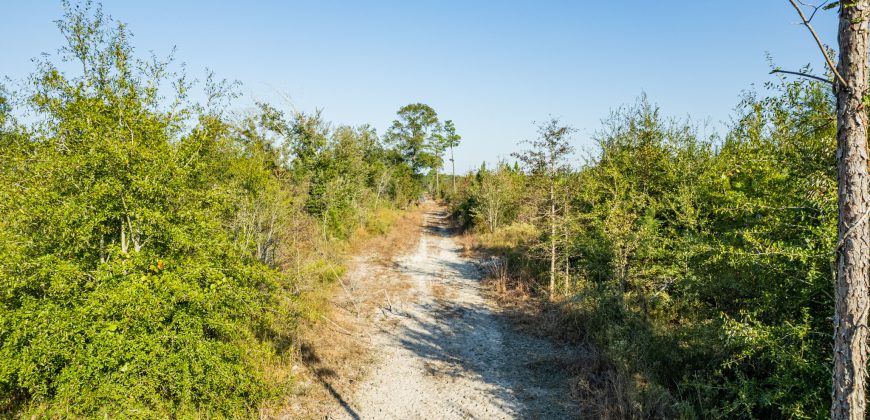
313 362
526 376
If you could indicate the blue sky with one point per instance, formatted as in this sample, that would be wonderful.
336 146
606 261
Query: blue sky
493 67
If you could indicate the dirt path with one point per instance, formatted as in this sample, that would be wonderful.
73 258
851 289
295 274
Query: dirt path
447 354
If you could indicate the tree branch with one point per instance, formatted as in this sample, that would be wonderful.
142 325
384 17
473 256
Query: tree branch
815 8
819 43
797 73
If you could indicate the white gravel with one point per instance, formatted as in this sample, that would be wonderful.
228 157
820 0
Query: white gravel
454 357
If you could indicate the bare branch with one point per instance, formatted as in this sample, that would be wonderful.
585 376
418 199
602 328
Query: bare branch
819 43
815 8
797 73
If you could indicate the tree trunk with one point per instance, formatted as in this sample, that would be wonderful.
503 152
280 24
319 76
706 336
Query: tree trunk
453 170
552 242
298 262
565 210
567 275
853 252
123 239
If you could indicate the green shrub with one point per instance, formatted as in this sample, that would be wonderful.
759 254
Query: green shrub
700 267
155 261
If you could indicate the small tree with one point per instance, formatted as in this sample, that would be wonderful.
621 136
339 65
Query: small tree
448 139
546 162
497 193
436 146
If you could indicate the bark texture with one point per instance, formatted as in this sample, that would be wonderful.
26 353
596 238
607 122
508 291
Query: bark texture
853 251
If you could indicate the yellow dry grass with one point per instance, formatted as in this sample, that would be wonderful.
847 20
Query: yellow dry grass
332 352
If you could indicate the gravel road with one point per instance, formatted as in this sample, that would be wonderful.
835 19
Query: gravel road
448 354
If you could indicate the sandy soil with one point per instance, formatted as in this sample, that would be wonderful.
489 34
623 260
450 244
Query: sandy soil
445 353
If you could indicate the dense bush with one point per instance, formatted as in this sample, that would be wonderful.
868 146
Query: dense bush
155 252
702 265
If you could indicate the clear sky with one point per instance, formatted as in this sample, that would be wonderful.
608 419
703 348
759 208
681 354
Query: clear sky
491 66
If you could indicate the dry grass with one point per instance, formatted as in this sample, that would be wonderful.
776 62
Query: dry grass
333 352
601 390
470 244
402 236
597 385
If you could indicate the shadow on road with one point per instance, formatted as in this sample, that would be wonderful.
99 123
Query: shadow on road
464 338
313 363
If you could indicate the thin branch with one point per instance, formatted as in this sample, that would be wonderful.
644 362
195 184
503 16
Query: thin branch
819 43
797 73
343 330
815 8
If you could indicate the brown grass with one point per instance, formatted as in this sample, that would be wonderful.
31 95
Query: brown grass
470 244
332 352
597 385
402 236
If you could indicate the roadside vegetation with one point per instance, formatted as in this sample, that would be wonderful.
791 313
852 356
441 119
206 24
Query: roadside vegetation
699 268
166 254
158 253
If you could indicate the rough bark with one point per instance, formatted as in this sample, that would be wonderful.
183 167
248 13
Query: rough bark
853 250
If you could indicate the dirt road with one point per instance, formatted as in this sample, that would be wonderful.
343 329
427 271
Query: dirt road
447 354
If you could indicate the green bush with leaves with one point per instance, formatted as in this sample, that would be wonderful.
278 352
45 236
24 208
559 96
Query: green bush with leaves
155 252
702 266
123 289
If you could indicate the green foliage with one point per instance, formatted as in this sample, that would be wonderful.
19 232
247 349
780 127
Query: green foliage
154 254
413 134
701 266
419 141
495 194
